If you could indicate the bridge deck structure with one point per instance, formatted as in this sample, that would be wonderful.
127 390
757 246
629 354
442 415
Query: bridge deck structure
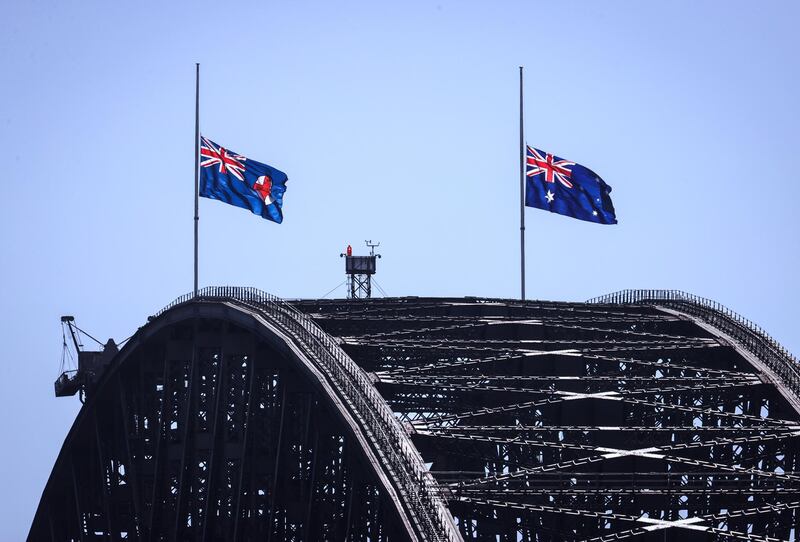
235 415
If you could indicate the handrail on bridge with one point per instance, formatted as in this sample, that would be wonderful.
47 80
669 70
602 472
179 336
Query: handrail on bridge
745 332
416 486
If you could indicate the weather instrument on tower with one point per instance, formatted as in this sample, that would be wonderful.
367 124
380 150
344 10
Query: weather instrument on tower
359 270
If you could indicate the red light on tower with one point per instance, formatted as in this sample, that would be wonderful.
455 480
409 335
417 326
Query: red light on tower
349 250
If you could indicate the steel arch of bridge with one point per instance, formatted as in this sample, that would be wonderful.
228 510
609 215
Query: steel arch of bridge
169 449
645 415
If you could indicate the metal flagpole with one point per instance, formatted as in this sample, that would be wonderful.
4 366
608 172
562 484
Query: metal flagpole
196 167
521 193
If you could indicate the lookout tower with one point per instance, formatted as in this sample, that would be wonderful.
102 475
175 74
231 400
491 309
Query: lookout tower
359 270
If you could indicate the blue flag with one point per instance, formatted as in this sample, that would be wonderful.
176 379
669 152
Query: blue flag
234 179
566 188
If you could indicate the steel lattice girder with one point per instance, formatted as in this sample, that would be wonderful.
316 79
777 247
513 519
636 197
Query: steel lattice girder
559 421
537 421
214 425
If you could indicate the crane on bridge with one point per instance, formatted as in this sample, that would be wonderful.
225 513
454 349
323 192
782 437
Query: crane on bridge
91 363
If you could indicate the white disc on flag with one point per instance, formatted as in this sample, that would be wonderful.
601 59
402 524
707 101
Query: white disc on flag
264 187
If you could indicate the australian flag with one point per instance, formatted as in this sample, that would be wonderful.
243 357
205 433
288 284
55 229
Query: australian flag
234 179
567 188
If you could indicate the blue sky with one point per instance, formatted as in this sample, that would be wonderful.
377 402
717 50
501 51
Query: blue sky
395 122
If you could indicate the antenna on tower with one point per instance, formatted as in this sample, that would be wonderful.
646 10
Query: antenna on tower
359 270
372 246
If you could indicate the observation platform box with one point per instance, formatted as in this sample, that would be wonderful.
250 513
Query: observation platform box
359 265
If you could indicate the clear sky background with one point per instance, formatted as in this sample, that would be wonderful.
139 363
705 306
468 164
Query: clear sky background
396 123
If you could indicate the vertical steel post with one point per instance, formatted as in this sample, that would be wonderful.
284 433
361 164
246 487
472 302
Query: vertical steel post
276 473
211 510
246 430
161 429
131 469
105 491
196 166
180 498
76 495
521 193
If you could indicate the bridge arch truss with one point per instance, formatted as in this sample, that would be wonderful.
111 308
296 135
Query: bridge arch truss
232 416
643 415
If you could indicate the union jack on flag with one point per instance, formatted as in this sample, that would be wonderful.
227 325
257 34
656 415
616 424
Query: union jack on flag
566 188
212 154
553 169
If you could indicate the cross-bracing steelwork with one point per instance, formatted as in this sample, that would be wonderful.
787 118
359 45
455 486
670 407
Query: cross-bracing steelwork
644 415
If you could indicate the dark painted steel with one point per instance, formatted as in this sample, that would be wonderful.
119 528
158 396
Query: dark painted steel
571 421
213 390
645 416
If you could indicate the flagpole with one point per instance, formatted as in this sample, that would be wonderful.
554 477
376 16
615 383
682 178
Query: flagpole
521 192
196 167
